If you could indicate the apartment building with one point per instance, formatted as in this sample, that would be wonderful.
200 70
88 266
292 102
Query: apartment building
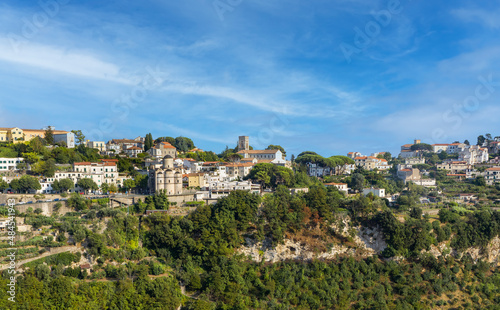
492 175
8 164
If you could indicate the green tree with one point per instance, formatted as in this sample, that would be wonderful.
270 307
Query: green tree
184 144
148 143
45 168
37 144
421 147
480 181
3 185
66 185
87 184
80 138
77 202
357 182
15 185
26 183
480 140
128 184
113 188
49 135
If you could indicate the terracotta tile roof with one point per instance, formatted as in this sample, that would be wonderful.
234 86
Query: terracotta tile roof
133 148
493 169
84 163
237 165
109 164
360 158
211 163
164 145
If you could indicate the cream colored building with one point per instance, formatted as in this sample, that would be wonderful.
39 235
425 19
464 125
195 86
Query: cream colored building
100 173
454 166
167 178
238 170
100 145
163 149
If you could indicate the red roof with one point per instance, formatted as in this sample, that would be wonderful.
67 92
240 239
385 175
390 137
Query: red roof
493 169
85 163
165 145
236 165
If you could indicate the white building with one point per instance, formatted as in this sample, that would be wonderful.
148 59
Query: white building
340 186
8 164
68 138
456 148
473 155
133 151
262 154
379 192
440 147
315 170
104 172
492 175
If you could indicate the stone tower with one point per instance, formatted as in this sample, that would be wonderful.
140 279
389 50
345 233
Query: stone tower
243 143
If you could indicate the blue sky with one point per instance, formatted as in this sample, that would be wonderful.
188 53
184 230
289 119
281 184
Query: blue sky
328 76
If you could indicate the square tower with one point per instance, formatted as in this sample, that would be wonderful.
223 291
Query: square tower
243 143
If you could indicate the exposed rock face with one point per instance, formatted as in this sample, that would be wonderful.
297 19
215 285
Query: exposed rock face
367 243
490 253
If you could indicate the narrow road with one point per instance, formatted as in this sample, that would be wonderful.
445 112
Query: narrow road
69 248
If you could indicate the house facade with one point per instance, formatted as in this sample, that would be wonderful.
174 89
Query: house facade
9 164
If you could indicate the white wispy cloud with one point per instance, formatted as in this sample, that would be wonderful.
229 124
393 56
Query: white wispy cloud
69 62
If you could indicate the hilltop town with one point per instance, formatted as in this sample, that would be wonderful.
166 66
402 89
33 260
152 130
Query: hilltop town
131 210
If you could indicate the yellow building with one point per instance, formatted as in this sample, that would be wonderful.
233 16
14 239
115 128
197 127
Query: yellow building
196 180
3 134
16 134
13 134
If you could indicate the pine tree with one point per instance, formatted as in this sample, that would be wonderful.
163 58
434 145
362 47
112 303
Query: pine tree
148 143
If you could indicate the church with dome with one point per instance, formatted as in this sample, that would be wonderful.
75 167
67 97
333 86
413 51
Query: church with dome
166 178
